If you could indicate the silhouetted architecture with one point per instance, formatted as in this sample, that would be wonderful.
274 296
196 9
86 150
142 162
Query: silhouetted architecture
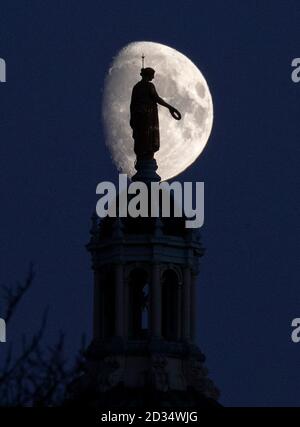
144 353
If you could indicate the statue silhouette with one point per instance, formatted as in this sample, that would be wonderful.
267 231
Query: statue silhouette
144 115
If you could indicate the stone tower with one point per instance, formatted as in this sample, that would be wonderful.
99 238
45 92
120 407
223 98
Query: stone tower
144 348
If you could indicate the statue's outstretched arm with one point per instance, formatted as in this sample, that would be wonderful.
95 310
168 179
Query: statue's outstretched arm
173 111
162 102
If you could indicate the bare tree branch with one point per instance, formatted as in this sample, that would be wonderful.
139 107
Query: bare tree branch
13 296
39 376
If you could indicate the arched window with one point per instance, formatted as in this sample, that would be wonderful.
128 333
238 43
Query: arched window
138 312
171 310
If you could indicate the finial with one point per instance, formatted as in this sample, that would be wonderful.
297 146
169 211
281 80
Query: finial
143 58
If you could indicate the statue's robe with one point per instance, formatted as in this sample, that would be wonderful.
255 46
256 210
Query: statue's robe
144 119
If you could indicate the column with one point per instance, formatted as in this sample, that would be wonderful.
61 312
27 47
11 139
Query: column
126 307
119 300
194 307
179 311
155 308
186 303
97 315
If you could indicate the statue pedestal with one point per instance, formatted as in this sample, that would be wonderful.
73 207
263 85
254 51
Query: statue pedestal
146 171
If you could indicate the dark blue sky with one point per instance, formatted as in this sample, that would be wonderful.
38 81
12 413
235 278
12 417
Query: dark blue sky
52 155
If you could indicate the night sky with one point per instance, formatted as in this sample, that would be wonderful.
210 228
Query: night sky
53 155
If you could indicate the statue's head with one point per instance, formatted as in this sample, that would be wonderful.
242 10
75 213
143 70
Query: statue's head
147 74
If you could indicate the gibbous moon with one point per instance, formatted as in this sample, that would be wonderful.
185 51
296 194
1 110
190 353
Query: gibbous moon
181 84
